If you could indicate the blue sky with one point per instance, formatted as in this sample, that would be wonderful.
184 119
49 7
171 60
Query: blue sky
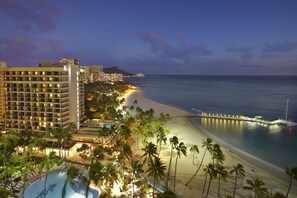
222 37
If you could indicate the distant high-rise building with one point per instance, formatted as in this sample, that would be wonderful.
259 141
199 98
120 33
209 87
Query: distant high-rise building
39 98
103 77
93 73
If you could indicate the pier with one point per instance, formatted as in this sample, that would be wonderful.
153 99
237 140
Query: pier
257 119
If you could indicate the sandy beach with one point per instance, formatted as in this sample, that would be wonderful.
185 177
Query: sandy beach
181 125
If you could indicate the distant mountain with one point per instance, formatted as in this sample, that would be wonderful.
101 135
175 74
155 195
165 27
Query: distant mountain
116 70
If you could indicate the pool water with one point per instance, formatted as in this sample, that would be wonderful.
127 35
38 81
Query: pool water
55 182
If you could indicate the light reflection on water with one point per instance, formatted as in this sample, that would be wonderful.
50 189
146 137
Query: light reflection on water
265 142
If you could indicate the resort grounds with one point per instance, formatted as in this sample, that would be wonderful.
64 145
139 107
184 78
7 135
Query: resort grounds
180 124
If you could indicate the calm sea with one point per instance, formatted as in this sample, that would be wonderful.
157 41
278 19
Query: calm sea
236 95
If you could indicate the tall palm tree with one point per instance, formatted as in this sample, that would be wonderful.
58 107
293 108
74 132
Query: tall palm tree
109 176
217 154
239 173
180 149
222 174
194 149
292 172
161 137
95 174
15 166
137 168
72 173
212 173
156 170
173 142
48 162
258 186
208 147
124 149
62 135
150 151
8 143
66 137
30 141
124 132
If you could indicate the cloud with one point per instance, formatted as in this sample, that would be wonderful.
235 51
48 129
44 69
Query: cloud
163 49
181 39
39 13
56 49
280 47
245 52
21 51
16 47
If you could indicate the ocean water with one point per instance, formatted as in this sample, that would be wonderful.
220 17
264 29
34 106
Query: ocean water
236 95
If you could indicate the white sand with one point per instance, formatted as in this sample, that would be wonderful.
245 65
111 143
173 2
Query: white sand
180 126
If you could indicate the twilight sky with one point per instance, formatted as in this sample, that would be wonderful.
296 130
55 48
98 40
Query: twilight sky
225 37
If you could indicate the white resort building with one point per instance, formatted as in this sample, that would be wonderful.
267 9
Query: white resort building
38 98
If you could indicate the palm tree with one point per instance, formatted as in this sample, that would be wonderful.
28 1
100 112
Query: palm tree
48 162
137 168
156 170
180 149
15 165
239 173
150 151
208 147
95 168
194 149
258 186
124 132
222 174
95 175
30 141
124 149
161 137
62 135
8 142
72 173
109 176
212 173
217 154
173 142
293 174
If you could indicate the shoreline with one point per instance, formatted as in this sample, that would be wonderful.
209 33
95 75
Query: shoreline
192 134
273 169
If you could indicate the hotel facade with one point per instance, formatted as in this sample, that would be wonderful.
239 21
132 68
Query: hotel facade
39 98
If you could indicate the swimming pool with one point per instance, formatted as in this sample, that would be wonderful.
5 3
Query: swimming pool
55 182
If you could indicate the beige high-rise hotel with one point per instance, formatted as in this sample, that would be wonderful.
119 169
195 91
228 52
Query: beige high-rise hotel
38 98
